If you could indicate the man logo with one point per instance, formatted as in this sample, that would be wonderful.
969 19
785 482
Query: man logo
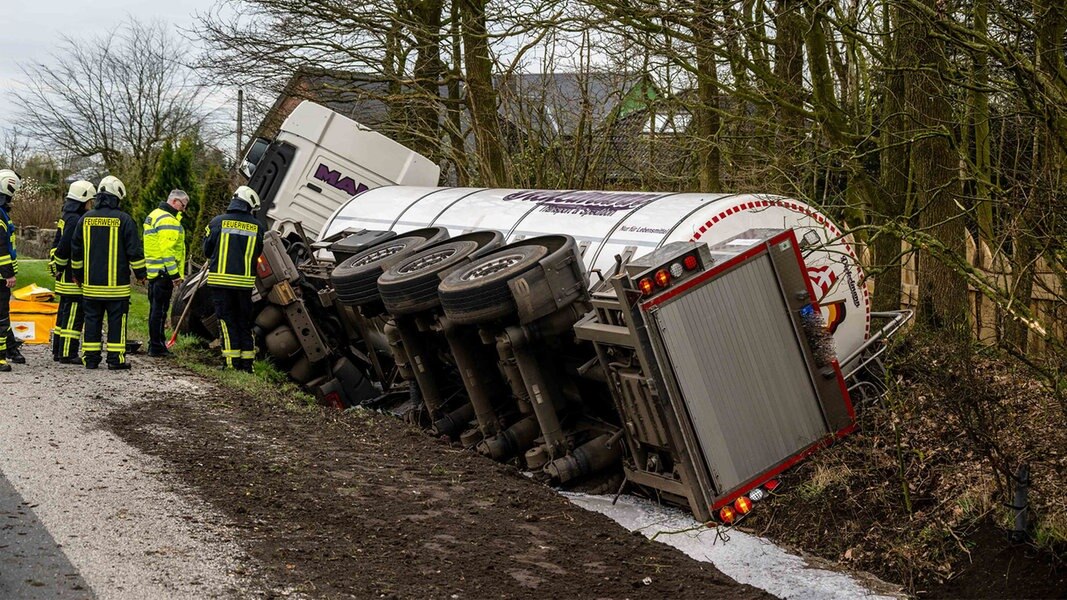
333 178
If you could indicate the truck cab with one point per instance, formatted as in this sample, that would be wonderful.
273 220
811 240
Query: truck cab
318 161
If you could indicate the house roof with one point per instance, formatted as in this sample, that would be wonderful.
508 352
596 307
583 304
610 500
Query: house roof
555 104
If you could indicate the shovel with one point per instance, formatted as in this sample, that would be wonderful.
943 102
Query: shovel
185 311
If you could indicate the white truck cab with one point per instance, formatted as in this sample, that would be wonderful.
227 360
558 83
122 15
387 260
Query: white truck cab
319 160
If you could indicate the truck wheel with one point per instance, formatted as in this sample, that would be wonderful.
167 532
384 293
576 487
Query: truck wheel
410 285
479 292
356 279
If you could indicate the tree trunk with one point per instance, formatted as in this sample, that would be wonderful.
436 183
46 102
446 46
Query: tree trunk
481 96
707 117
428 72
942 291
895 174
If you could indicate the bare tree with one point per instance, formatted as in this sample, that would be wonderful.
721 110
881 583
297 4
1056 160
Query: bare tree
15 148
119 96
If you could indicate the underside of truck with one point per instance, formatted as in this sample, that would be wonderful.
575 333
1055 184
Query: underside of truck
693 375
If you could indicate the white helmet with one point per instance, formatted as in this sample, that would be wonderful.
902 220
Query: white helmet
9 182
113 185
248 195
81 191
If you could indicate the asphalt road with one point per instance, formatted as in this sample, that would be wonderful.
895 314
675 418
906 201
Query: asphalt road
84 514
32 564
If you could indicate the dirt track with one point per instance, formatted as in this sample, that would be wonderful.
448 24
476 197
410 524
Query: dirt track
200 493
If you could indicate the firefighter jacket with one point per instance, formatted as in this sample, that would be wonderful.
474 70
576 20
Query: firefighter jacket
60 253
164 242
104 248
9 262
232 244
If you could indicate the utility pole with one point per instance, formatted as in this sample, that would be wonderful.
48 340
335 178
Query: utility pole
240 124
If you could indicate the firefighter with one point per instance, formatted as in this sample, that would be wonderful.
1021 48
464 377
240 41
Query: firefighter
232 244
9 266
164 251
69 318
104 249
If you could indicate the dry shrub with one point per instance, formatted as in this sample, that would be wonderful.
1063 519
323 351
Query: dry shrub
964 422
34 207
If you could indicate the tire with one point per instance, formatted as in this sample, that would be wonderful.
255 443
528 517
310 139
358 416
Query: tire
356 279
479 292
410 285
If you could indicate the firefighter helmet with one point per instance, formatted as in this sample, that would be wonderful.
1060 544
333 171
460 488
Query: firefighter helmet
81 191
9 182
113 185
248 195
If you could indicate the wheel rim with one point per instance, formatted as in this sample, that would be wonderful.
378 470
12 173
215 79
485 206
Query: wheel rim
428 261
492 267
379 254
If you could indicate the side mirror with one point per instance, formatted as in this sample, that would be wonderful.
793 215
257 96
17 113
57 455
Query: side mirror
255 153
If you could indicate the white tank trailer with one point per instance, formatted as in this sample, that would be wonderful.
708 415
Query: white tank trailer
631 224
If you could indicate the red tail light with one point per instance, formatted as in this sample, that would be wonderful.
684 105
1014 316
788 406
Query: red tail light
690 262
727 515
743 505
663 278
645 285
263 267
333 400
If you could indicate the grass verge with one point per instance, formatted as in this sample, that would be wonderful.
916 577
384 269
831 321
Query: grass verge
267 383
36 271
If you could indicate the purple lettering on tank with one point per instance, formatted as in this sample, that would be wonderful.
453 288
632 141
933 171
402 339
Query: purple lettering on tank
583 203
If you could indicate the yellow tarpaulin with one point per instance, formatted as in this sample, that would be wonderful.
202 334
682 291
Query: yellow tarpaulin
33 321
34 293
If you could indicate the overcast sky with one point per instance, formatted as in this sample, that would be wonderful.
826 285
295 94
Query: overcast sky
32 29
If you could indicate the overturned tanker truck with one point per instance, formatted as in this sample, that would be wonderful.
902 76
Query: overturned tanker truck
698 344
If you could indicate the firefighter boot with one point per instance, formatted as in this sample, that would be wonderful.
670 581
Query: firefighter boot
4 367
15 355
243 364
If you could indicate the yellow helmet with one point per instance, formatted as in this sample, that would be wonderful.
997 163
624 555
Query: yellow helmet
9 182
113 185
81 191
248 195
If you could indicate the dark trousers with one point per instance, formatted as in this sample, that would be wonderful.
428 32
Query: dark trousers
96 310
233 307
68 331
160 290
6 335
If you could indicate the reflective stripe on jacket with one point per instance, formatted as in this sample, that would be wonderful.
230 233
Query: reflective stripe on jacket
9 261
104 248
232 244
60 254
164 242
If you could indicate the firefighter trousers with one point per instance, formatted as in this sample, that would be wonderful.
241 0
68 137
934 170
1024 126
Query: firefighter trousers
160 290
96 310
6 335
68 331
233 307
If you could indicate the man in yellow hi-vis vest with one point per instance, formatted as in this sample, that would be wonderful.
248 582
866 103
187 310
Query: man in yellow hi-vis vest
164 253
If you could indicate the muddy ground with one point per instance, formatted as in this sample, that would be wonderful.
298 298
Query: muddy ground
953 422
363 505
